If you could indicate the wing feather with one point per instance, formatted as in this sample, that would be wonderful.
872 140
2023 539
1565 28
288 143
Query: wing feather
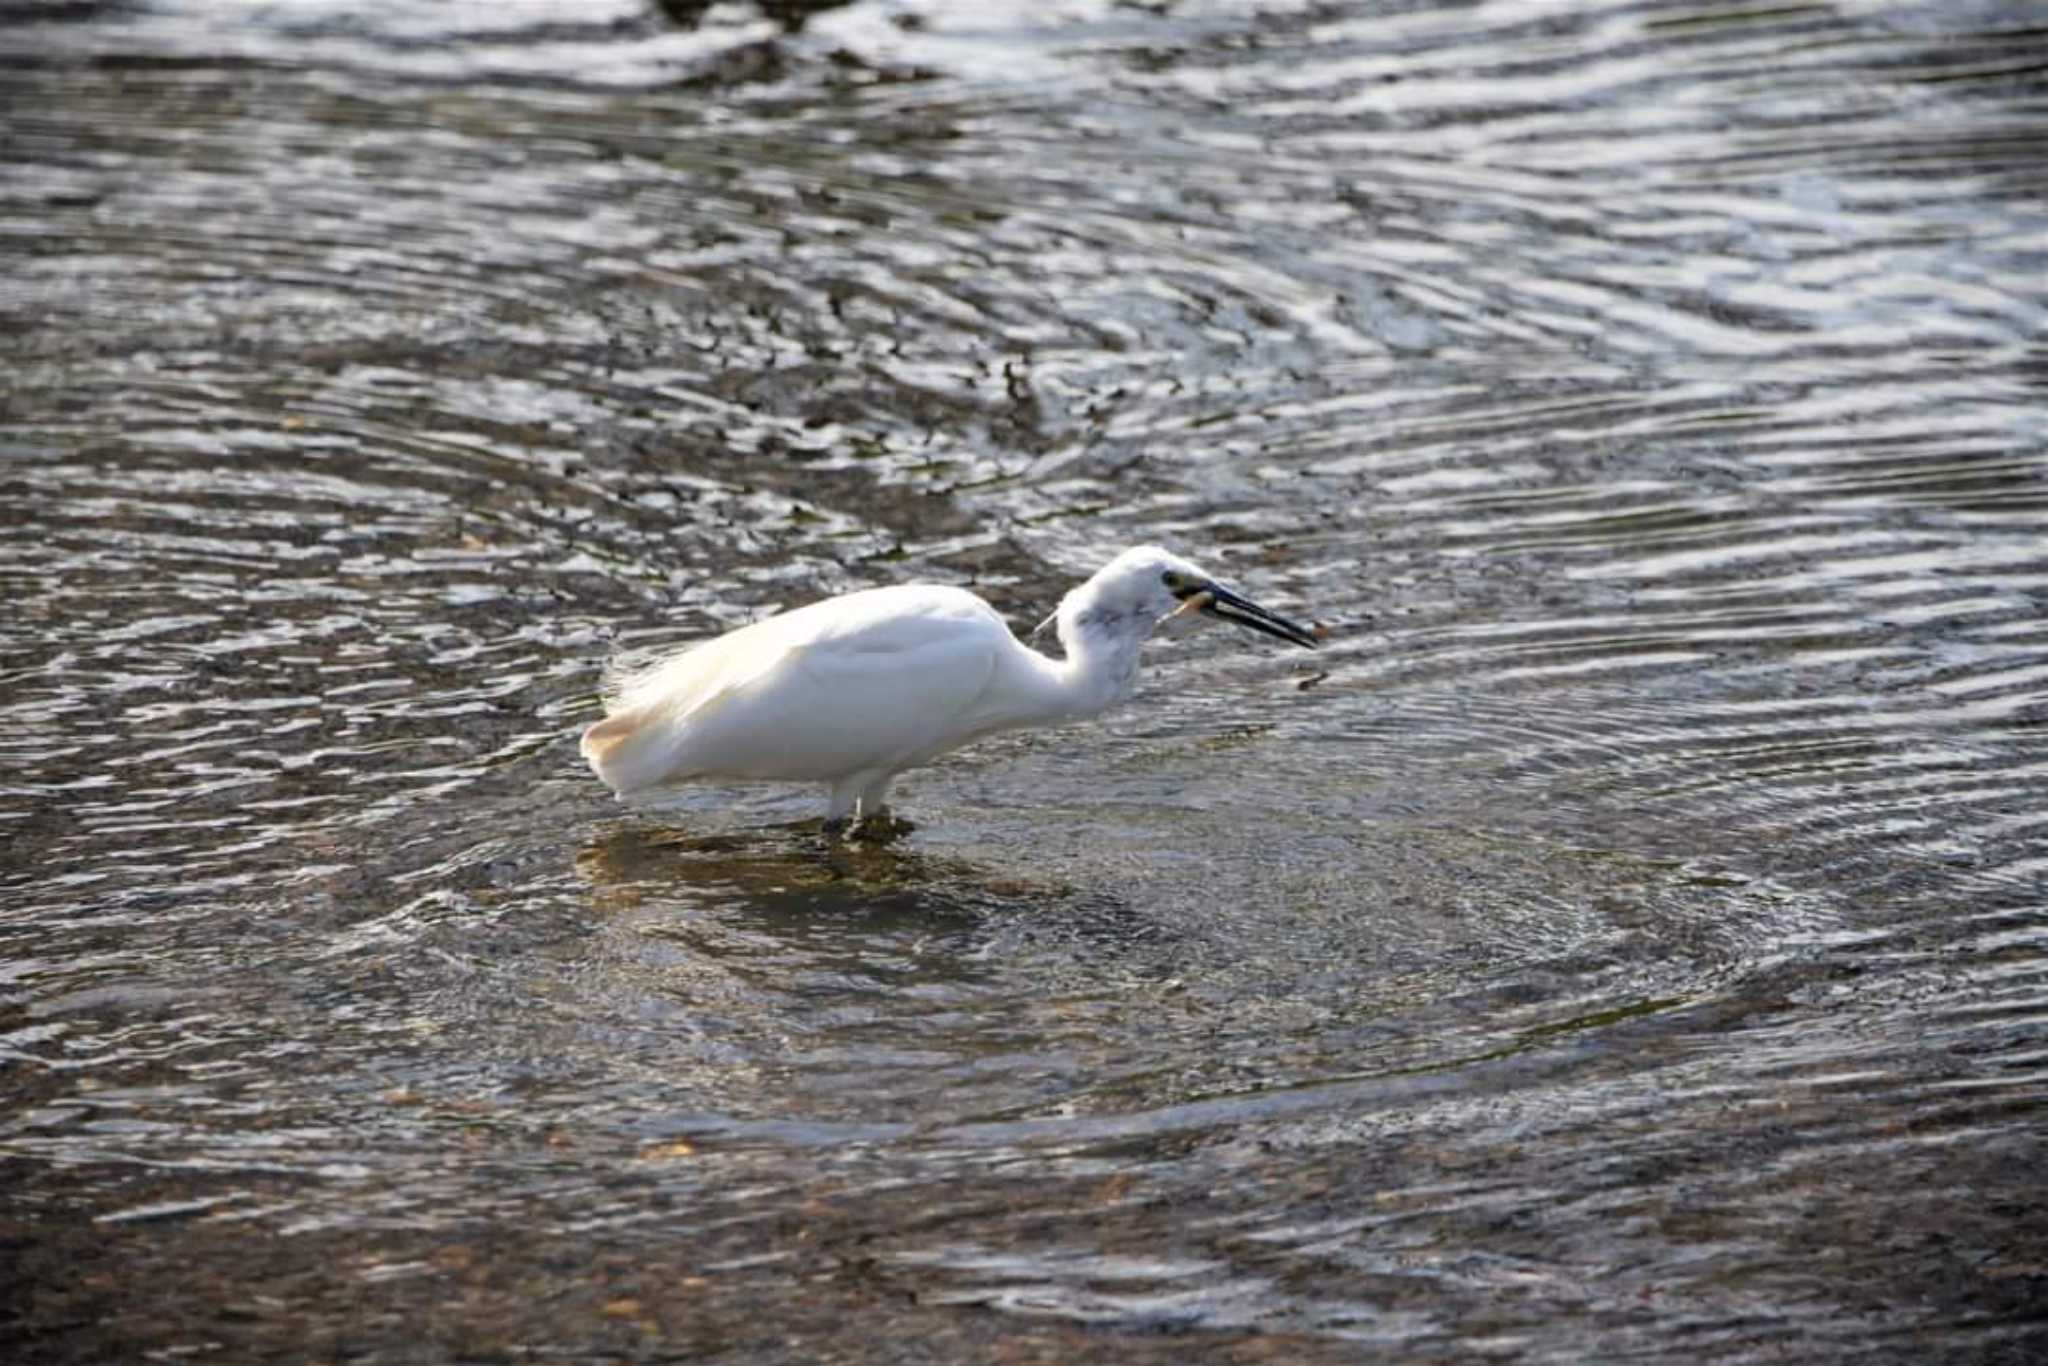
873 680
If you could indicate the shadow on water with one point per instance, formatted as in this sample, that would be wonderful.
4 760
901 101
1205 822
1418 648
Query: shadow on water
1626 942
799 882
793 914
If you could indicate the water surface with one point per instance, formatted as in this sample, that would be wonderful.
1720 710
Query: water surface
1622 939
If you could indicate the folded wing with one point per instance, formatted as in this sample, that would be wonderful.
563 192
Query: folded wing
878 680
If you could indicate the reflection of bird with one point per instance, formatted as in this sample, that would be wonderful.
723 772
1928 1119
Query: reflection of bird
853 690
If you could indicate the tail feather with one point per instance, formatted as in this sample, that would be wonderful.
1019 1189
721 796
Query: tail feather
625 751
656 704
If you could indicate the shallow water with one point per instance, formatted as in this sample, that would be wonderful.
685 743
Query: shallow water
1623 938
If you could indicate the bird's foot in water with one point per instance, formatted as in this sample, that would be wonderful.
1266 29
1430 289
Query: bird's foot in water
879 827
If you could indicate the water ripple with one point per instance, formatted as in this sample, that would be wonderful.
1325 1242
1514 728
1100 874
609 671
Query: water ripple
1624 929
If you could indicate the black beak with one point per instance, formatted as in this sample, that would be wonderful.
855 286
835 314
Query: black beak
1230 607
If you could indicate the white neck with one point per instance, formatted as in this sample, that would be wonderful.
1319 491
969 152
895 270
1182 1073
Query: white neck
1100 668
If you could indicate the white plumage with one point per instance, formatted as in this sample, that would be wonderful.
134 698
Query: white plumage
853 690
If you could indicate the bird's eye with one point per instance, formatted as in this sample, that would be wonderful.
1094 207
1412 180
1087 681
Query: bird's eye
1171 580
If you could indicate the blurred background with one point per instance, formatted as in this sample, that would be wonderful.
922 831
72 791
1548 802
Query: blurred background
1623 939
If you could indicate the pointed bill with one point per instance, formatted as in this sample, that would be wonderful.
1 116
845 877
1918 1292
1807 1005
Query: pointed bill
1229 606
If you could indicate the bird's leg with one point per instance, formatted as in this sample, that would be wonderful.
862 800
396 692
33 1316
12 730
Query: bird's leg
858 804
841 804
874 798
876 823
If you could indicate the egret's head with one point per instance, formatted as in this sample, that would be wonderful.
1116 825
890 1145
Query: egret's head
1146 587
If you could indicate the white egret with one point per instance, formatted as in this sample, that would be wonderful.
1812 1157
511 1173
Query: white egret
853 690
